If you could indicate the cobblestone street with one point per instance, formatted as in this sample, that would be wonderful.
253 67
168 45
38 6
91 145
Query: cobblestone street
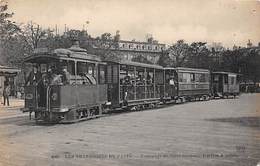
216 132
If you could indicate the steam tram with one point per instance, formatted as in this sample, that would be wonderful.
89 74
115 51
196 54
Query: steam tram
81 97
73 85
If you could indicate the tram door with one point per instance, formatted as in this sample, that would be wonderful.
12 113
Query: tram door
217 83
113 84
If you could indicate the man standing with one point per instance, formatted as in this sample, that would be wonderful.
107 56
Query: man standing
65 76
34 77
6 92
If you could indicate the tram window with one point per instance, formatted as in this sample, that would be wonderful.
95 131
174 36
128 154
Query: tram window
115 74
197 77
192 77
150 77
216 78
123 74
109 74
186 77
232 80
225 79
91 69
158 78
180 76
81 68
140 80
71 67
131 74
203 78
102 77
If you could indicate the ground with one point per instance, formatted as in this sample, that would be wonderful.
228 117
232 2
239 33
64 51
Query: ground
216 132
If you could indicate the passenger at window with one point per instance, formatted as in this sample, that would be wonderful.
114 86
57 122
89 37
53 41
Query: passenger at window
65 76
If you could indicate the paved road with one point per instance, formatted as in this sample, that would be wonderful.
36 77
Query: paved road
216 132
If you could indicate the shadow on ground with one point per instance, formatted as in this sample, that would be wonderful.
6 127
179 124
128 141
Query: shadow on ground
242 121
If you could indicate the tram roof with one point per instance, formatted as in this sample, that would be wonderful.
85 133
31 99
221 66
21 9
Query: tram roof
223 72
187 69
41 55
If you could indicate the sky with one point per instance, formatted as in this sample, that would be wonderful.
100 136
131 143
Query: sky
227 21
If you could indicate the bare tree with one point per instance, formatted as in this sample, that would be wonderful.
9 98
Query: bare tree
32 34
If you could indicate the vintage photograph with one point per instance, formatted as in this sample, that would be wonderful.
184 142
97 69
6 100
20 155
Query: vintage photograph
129 82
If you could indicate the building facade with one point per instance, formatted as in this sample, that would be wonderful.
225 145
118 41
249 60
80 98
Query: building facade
129 50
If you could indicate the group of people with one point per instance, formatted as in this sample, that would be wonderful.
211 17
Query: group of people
53 76
140 80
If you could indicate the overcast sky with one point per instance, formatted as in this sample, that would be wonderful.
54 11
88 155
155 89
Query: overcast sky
227 21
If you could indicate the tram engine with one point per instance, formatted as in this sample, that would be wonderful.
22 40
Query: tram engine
65 85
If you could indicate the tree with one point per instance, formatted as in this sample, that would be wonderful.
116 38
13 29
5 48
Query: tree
142 59
105 46
199 55
8 32
32 34
7 28
178 53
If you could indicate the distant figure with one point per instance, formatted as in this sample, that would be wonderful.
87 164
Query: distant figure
6 92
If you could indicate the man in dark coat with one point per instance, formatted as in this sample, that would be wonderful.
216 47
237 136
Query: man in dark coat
34 77
6 92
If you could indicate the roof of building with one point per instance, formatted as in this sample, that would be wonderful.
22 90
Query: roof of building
6 70
140 42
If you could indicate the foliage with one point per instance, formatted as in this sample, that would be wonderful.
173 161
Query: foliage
199 55
164 59
142 59
32 34
178 53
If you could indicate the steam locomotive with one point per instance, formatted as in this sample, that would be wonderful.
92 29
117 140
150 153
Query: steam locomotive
70 85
